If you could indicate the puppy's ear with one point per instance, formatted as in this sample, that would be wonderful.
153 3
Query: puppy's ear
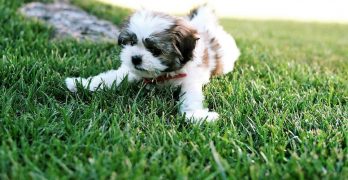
184 40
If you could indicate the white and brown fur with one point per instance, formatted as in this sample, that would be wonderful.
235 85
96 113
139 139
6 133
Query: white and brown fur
155 44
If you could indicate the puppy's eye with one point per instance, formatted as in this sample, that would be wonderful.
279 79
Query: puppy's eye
133 39
132 43
150 45
155 51
124 42
127 38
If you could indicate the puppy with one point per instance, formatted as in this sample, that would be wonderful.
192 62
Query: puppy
165 50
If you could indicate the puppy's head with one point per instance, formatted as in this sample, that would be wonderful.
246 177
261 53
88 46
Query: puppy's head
155 43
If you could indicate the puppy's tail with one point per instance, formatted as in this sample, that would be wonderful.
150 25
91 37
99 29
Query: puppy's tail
203 14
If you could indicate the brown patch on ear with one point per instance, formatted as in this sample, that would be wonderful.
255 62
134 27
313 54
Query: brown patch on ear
184 40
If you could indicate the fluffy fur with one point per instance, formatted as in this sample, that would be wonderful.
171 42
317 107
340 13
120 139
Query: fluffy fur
156 44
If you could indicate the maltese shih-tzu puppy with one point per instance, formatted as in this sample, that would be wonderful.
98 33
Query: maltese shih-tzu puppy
173 51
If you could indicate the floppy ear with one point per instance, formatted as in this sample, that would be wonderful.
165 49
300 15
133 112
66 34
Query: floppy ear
184 40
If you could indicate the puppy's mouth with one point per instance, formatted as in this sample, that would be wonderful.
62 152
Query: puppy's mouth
147 73
139 68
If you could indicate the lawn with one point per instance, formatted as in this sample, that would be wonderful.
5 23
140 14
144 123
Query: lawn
284 109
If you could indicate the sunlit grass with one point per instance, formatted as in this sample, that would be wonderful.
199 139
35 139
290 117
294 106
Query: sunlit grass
283 110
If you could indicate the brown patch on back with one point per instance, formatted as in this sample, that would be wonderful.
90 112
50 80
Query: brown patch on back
215 47
219 67
205 58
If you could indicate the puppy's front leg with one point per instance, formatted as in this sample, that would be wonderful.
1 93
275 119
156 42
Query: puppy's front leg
192 104
102 80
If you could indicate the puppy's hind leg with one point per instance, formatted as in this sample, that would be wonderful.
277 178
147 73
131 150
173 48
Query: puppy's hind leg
102 80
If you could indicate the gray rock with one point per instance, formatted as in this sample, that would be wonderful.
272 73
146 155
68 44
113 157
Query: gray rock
70 21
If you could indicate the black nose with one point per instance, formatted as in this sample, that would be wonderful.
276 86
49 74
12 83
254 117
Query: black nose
136 60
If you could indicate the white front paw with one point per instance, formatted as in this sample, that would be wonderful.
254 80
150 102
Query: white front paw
201 115
71 84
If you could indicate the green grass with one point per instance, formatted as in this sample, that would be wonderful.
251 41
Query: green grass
284 111
102 10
